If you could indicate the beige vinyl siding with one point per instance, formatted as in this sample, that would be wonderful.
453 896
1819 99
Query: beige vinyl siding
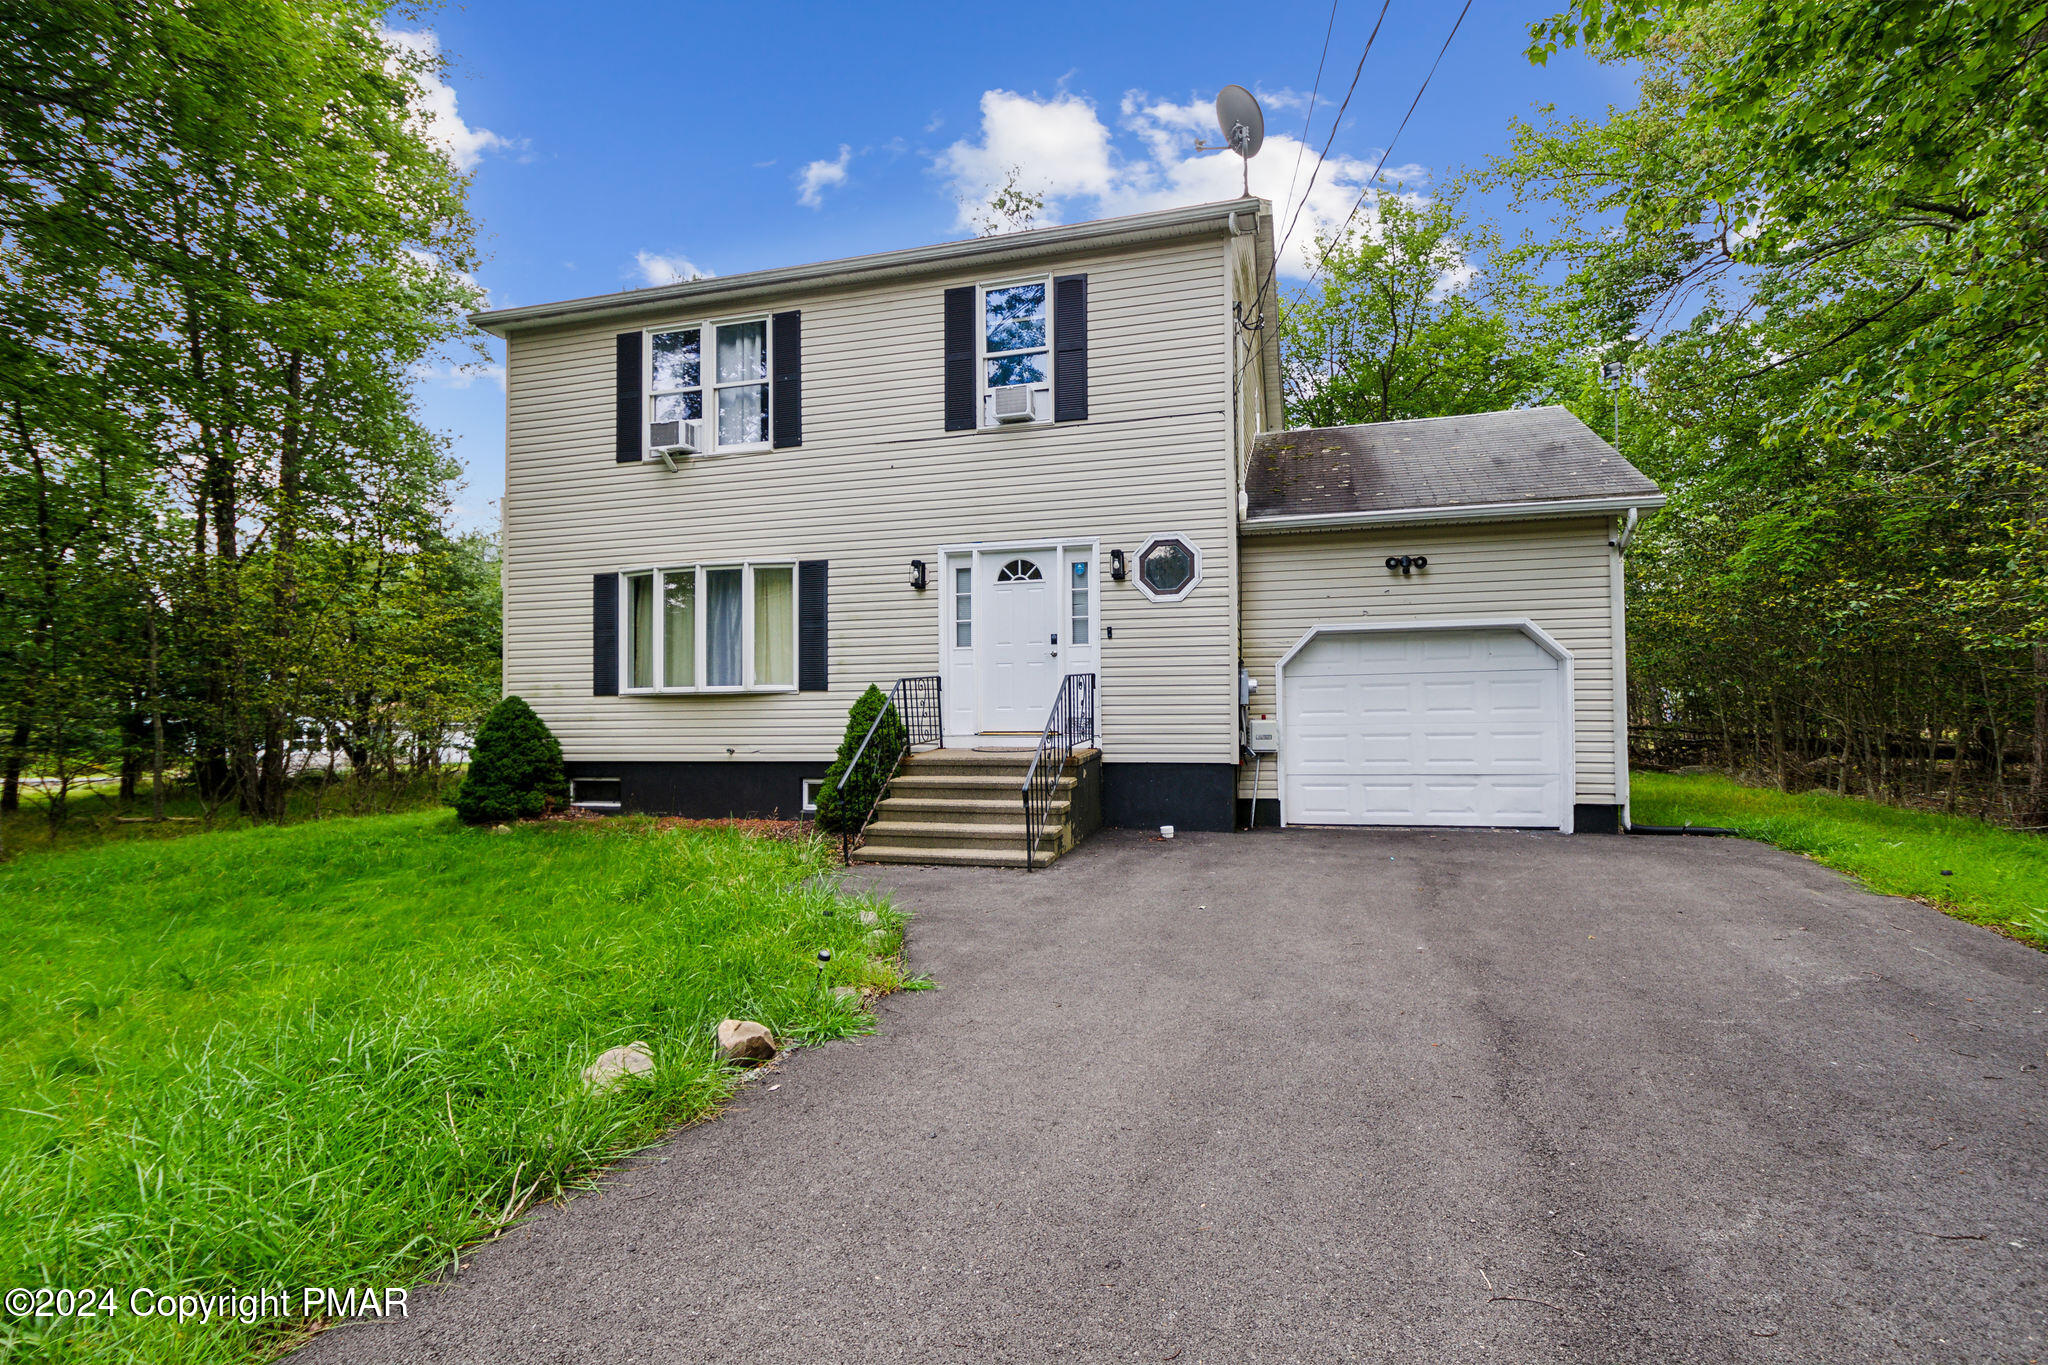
1555 573
878 482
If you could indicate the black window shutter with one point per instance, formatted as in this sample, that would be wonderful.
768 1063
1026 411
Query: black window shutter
629 397
1070 348
786 330
604 635
960 384
811 626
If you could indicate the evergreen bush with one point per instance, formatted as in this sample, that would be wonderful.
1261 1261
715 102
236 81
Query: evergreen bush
842 811
515 770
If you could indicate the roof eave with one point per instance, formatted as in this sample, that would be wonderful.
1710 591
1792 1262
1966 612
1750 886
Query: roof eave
1496 511
881 267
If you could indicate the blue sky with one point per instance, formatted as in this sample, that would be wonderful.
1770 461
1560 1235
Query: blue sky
618 146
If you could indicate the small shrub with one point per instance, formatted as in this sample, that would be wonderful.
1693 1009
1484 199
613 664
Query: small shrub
515 771
840 812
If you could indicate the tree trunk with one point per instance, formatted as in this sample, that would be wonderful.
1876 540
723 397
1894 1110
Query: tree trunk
2035 809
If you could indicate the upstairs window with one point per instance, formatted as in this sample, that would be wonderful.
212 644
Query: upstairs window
675 389
1016 354
735 400
742 384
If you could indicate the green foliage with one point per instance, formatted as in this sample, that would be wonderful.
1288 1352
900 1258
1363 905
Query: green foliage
1879 160
1971 870
843 811
339 1053
1401 323
515 771
1809 237
226 241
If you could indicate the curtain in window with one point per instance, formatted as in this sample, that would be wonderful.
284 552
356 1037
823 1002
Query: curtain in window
640 632
774 627
743 363
722 627
679 630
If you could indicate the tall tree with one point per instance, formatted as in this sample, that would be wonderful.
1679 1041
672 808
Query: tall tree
1401 322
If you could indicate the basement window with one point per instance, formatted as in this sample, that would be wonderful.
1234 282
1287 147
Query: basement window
595 793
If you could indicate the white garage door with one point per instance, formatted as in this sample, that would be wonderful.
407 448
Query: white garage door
1423 727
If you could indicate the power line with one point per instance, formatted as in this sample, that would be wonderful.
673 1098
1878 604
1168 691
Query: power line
1309 122
1371 180
1335 124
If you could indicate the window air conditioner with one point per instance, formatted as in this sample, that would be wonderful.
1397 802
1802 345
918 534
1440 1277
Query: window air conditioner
1013 403
675 438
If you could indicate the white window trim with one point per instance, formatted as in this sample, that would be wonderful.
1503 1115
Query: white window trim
807 801
982 354
707 381
747 683
1138 566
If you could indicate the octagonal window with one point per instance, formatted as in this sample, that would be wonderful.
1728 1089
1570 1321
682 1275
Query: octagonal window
1168 568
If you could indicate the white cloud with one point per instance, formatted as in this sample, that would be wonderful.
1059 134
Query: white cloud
1062 149
458 376
434 102
1058 147
668 269
814 179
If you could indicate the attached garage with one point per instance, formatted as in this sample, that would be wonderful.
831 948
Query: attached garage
1438 723
1432 613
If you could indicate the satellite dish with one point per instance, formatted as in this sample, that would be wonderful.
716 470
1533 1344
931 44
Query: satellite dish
1243 125
1241 120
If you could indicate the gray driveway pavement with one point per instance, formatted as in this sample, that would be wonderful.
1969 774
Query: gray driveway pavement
1326 1096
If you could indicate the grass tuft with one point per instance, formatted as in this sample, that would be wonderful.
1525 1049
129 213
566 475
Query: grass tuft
336 1053
1970 869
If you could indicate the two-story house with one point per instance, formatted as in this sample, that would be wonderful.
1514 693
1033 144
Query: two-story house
733 503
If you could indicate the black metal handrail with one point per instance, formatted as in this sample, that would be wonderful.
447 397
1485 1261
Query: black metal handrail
916 700
1071 724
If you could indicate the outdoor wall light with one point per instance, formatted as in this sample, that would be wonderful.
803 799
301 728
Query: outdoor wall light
1116 566
1407 564
917 578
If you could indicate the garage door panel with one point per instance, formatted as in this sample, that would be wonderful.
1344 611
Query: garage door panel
1443 799
1370 699
1446 697
1520 696
1326 803
1456 750
1513 750
1514 800
1424 727
1383 799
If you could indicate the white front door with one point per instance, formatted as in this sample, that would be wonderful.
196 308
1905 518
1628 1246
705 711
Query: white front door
1424 727
1017 651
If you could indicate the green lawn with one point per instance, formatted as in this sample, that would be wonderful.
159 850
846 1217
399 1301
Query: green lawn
334 1053
95 814
1994 876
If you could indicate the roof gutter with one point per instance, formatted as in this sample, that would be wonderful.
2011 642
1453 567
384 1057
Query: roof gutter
882 267
1484 511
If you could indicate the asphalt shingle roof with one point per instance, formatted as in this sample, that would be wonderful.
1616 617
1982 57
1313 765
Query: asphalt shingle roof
1522 456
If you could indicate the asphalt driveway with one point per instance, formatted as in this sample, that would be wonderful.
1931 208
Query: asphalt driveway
1329 1096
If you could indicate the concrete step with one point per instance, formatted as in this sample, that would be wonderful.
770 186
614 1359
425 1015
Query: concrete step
977 761
944 857
960 810
973 786
940 830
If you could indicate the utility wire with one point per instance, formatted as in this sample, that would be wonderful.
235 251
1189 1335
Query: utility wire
1309 122
1316 170
1373 179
